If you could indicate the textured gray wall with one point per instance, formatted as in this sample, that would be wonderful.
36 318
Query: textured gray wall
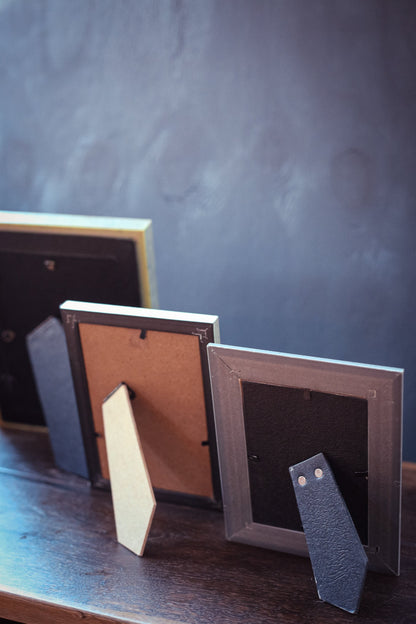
272 142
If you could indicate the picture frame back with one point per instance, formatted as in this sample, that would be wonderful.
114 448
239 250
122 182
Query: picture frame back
162 358
273 410
48 258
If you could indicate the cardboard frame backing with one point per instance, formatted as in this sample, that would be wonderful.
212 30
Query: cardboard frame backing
119 328
381 387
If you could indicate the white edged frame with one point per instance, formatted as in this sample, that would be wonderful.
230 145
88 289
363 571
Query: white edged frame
148 350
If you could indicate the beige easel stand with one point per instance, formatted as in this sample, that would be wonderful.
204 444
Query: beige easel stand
133 499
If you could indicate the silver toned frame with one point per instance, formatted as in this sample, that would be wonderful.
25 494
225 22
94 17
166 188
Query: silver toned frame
381 387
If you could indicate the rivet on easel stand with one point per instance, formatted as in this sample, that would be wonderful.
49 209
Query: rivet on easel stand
50 265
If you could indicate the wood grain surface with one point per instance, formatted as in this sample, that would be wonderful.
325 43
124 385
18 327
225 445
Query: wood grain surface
61 562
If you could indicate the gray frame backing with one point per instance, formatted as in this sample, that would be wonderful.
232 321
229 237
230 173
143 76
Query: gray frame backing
382 388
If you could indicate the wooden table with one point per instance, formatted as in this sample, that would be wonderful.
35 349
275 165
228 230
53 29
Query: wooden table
60 561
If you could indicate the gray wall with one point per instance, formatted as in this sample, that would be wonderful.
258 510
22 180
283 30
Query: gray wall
272 142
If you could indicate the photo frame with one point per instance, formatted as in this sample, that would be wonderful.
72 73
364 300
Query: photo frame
273 410
162 357
48 258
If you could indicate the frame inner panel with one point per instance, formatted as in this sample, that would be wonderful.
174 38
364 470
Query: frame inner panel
284 426
164 371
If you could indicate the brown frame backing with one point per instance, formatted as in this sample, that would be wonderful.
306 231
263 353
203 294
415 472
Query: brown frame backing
120 326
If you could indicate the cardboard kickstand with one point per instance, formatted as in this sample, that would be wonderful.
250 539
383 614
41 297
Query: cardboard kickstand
131 489
338 558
